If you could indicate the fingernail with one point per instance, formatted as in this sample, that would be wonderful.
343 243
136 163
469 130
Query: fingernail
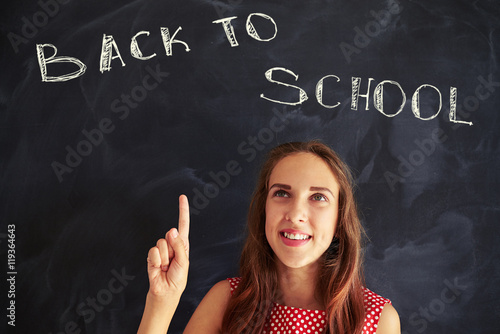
175 233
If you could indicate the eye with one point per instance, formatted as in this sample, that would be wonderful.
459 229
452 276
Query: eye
280 193
319 197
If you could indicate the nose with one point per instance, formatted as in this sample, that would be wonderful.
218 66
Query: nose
296 212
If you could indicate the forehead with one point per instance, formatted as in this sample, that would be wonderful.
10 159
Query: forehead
304 169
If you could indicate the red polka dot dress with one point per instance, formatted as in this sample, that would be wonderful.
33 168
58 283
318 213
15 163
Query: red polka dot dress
294 320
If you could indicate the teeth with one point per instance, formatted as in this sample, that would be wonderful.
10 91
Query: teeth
295 236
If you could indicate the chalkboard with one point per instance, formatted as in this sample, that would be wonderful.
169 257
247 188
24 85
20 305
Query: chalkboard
111 109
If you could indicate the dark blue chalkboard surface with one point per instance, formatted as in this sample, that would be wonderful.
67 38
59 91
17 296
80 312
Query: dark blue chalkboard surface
111 109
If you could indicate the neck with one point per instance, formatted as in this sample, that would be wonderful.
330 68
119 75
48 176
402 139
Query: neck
297 287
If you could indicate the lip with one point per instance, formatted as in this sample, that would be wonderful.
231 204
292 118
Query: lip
293 243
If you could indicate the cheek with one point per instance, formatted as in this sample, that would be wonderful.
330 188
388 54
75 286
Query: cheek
272 214
327 227
269 220
271 224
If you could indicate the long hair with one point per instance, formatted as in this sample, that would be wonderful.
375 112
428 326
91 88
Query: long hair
340 278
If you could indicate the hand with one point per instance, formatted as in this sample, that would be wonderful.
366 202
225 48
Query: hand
168 261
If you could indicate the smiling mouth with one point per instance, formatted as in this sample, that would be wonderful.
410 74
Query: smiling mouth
297 236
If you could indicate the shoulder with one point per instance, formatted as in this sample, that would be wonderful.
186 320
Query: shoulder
208 315
373 300
389 321
221 289
381 313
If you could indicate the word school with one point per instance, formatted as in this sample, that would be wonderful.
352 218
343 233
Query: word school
110 51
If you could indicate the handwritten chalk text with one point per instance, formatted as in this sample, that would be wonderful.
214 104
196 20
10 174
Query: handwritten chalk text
378 95
110 52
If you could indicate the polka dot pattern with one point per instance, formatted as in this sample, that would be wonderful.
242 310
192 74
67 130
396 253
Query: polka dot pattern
294 320
373 304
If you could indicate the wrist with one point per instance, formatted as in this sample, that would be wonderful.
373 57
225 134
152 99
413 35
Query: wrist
158 312
168 297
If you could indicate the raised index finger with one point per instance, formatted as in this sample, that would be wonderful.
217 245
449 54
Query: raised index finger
184 218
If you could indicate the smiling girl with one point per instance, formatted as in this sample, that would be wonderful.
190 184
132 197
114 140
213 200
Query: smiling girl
301 264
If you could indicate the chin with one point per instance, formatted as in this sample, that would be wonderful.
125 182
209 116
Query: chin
297 264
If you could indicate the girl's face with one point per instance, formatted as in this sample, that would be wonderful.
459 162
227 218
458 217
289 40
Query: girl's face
301 209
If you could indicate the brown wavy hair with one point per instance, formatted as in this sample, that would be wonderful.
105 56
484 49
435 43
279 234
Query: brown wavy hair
340 278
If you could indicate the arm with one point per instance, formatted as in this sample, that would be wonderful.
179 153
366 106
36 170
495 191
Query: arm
389 321
208 315
158 313
168 266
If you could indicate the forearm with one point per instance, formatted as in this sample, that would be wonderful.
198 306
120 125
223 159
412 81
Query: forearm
158 313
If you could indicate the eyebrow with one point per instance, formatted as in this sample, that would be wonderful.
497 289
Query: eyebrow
288 187
321 189
280 185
